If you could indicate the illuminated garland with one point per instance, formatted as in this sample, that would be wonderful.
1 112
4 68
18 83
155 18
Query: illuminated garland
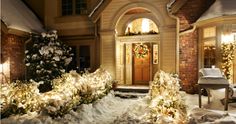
68 93
140 50
227 59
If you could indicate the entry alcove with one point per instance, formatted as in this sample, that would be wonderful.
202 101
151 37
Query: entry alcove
131 70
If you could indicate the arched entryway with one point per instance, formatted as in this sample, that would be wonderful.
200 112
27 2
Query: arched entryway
137 48
117 55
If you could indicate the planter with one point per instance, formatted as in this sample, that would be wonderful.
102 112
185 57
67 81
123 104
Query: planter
114 84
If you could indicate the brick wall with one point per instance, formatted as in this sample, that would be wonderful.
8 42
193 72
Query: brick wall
189 61
13 56
188 14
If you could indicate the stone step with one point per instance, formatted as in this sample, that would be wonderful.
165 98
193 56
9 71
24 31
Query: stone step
136 89
129 94
131 91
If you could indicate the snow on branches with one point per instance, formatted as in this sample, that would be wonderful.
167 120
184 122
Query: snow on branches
166 104
47 57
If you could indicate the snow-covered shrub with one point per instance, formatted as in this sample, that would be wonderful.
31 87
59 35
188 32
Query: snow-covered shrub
46 58
69 91
19 98
166 104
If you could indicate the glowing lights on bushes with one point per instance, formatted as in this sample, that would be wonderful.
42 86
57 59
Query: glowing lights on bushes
167 105
68 91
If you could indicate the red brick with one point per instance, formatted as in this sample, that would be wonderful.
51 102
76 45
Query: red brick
13 50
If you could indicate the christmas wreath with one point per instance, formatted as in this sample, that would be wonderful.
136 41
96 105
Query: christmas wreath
140 50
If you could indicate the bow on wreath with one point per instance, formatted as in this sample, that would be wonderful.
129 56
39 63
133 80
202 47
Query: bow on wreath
140 50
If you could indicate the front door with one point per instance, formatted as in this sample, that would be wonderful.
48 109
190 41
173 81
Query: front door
141 66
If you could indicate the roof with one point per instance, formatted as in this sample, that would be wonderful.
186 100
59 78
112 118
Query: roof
16 15
220 8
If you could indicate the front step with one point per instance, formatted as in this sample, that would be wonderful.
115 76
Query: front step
131 91
129 94
136 89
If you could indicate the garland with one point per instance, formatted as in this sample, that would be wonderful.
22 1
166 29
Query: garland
227 59
140 50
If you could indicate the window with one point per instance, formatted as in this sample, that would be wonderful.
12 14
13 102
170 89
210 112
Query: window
209 47
67 7
209 32
73 63
141 26
81 7
234 31
84 57
73 7
209 53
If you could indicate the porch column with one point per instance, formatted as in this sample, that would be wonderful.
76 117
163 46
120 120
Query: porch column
107 47
168 60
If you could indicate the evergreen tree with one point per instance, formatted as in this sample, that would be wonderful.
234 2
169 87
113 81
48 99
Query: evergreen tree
46 58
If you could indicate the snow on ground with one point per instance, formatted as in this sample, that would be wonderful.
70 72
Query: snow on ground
212 113
115 110
103 111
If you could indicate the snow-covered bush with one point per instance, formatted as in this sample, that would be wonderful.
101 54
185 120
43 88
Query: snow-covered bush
46 58
19 97
69 91
166 104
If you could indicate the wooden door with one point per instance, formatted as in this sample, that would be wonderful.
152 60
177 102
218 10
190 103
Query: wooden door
141 69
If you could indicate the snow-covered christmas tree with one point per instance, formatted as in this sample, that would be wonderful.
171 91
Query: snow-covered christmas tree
46 58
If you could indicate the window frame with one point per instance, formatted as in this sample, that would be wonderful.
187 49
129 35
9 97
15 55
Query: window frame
205 39
61 5
82 11
74 9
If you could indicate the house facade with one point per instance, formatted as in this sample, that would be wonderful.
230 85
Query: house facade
133 39
97 34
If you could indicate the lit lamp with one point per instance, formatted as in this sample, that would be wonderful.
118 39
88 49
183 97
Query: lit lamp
1 68
1 64
228 46
145 26
227 38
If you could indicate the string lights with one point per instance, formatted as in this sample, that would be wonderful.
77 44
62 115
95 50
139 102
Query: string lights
69 91
228 47
166 104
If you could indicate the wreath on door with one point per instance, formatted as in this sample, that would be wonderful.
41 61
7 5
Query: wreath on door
140 50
